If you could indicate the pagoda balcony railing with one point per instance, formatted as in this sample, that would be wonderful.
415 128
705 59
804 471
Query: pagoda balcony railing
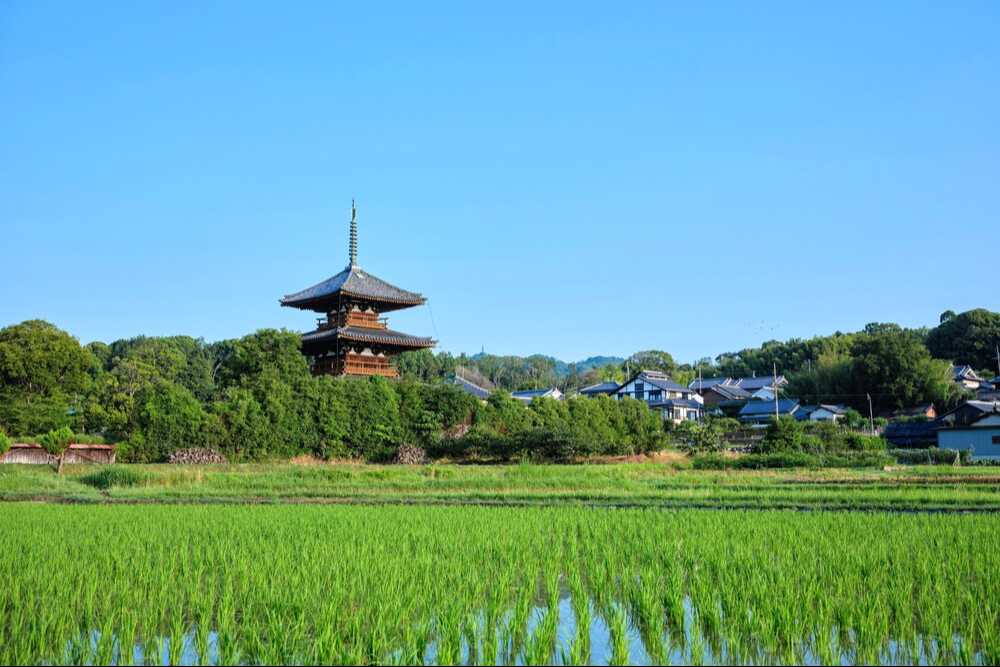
360 320
357 365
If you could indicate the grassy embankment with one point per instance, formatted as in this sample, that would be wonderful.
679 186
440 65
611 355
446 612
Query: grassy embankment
381 585
631 484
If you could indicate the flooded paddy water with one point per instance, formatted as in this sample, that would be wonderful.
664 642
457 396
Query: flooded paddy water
405 585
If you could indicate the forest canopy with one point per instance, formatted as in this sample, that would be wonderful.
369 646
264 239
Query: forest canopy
253 398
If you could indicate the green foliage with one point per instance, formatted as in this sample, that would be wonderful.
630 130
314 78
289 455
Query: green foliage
968 338
57 441
930 456
703 436
791 459
43 374
896 368
654 360
114 476
784 434
4 442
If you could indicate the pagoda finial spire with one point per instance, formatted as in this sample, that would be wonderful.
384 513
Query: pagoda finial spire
353 248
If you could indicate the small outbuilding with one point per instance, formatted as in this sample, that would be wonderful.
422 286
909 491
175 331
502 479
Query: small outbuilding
30 453
981 436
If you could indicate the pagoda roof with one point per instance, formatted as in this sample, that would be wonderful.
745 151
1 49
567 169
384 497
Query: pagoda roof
355 283
363 335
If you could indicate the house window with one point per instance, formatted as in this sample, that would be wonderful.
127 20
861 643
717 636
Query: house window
655 395
692 415
996 440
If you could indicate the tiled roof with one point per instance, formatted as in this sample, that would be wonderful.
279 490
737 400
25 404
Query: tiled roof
730 392
706 383
601 388
531 393
764 408
754 383
387 336
471 388
352 281
678 403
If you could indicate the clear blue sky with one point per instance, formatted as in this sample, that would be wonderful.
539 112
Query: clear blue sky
572 180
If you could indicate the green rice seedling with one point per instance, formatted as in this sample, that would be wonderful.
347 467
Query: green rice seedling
618 629
321 585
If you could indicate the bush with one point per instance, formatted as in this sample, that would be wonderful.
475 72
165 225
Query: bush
112 476
930 456
4 442
859 442
790 460
784 434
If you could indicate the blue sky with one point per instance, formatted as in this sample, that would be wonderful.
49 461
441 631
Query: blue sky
568 180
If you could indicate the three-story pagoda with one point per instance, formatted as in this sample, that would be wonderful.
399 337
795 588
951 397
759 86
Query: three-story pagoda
352 338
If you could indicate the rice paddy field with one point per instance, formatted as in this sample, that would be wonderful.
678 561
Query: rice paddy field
360 584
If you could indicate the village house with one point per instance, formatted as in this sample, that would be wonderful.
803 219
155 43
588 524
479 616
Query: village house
925 411
470 387
528 395
821 413
724 396
674 401
762 412
967 413
981 436
967 377
756 383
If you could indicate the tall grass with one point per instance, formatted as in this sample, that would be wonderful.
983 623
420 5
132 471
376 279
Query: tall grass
403 585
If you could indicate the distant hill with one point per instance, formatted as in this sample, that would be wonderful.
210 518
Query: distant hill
562 368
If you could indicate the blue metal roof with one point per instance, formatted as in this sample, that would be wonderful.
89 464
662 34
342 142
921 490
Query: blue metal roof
601 388
471 388
705 383
759 382
786 406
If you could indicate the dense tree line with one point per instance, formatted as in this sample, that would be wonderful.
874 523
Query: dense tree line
897 367
255 399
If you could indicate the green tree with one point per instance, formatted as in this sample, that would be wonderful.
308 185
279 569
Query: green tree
44 372
653 360
968 338
897 370
56 442
4 442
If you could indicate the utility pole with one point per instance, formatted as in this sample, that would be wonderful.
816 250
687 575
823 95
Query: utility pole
998 360
871 414
774 380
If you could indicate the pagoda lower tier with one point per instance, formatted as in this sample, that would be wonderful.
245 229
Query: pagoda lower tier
355 350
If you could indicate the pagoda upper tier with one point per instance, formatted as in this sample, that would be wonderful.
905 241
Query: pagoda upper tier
354 285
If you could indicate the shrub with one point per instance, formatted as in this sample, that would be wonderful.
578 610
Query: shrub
112 476
4 442
705 436
790 460
930 456
784 434
860 442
